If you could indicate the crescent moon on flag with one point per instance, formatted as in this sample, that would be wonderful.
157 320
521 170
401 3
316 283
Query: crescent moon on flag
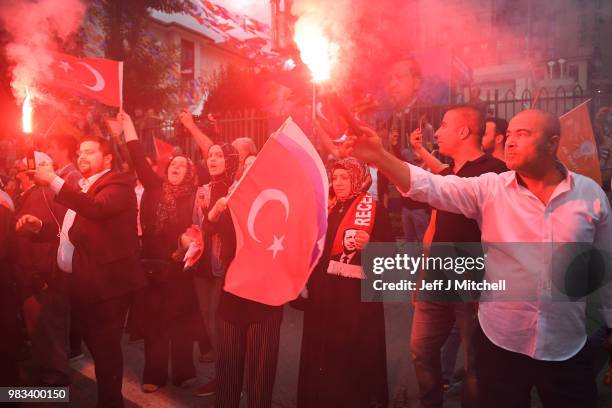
270 194
99 85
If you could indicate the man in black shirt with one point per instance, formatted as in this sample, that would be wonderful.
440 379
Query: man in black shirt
459 137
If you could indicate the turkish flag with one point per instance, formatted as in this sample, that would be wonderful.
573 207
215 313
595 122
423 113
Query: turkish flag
279 209
100 79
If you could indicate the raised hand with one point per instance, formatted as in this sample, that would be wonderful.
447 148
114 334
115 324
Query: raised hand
186 119
220 205
416 140
366 147
127 125
218 208
44 173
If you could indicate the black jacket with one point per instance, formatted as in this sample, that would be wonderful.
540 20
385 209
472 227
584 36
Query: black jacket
106 261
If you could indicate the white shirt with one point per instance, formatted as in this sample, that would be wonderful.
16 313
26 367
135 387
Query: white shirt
65 251
529 317
373 190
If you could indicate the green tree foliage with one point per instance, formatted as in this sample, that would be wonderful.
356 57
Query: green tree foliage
234 88
149 65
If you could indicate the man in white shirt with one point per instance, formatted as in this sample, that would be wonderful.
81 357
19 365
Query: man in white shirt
532 337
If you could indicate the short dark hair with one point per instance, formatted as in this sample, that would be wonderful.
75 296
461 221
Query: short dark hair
501 126
65 142
105 145
473 116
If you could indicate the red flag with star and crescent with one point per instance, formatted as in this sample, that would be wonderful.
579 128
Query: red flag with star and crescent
97 78
279 210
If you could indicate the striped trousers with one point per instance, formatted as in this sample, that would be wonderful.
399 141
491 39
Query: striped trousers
255 346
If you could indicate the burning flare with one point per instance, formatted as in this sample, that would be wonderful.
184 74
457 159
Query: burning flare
316 49
26 112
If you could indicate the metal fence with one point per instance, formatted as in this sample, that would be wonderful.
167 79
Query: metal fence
504 106
559 102
257 124
228 127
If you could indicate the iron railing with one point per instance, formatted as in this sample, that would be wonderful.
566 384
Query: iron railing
257 125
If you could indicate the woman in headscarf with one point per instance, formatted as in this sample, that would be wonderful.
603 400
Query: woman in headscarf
343 358
219 240
244 327
172 309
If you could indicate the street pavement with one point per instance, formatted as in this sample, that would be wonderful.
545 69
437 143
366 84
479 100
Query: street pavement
402 381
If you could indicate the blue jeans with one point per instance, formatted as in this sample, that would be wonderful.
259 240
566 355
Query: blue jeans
431 326
414 224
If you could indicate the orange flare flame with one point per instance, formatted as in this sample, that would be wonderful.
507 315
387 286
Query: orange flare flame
316 49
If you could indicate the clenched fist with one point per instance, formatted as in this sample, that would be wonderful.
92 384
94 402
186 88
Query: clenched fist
28 224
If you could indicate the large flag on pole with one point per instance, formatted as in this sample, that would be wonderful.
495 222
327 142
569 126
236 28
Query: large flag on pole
577 148
100 79
279 209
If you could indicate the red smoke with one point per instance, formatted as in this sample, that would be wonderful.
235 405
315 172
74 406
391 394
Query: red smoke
36 28
372 34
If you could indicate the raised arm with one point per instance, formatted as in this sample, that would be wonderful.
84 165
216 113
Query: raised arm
110 200
368 148
118 145
449 193
430 161
202 140
147 176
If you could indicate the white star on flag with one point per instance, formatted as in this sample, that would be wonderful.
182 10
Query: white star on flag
65 66
277 246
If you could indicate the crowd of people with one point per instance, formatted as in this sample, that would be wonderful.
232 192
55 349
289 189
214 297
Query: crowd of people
89 253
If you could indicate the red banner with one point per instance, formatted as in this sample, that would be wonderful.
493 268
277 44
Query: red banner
577 148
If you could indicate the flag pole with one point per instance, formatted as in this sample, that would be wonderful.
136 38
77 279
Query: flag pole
536 99
576 107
